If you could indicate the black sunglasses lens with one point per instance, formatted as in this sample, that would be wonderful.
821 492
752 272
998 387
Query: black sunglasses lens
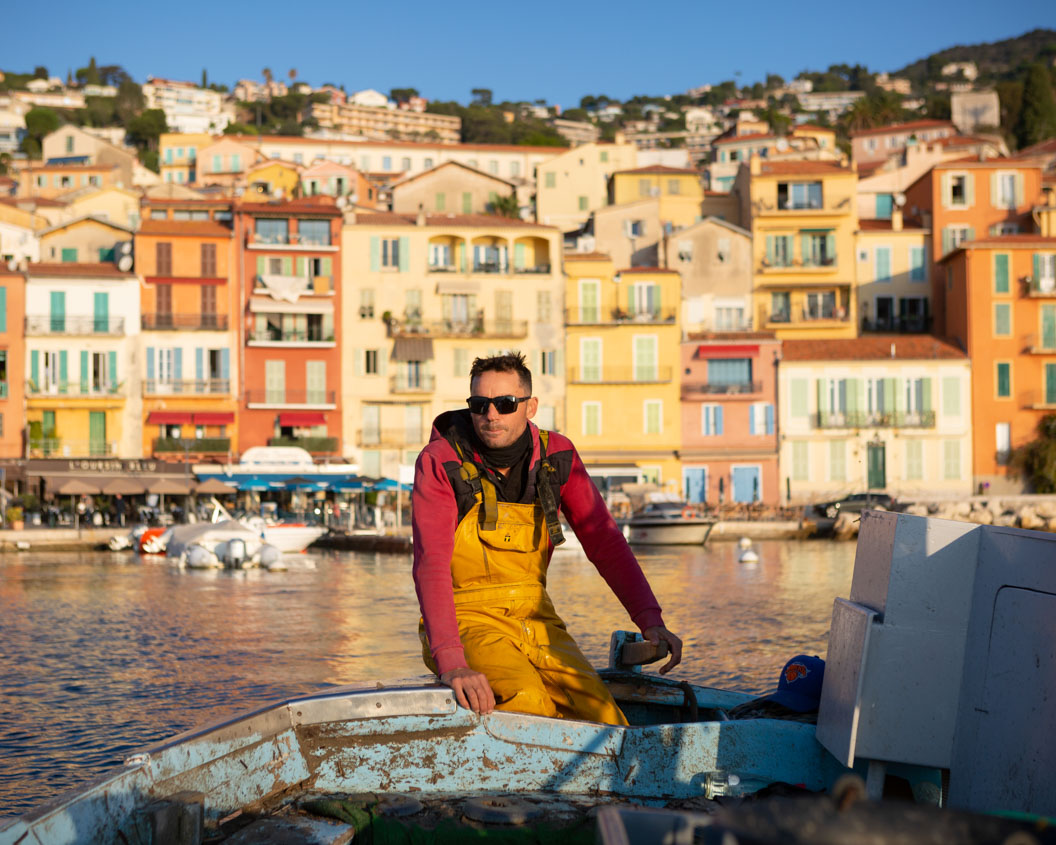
505 404
478 405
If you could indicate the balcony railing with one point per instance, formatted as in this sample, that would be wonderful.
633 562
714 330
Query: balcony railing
315 445
289 239
540 269
618 316
874 419
797 264
288 397
49 447
620 375
1040 287
457 328
899 325
154 321
490 267
804 318
187 387
403 383
289 337
192 445
70 325
73 389
723 389
390 438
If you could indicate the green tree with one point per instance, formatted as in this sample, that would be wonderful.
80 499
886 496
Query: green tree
505 206
1037 116
481 96
402 95
235 128
129 101
145 129
1010 96
89 75
40 72
40 121
877 109
576 114
149 159
205 78
1036 460
774 81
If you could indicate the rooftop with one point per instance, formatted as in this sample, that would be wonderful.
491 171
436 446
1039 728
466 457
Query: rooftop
885 226
726 337
189 228
755 136
474 221
1005 242
75 270
660 169
876 347
257 140
649 270
792 168
912 126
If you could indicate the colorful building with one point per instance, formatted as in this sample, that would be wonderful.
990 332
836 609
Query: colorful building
729 424
449 188
888 413
1001 309
622 339
52 179
678 190
802 218
84 240
894 289
290 273
178 159
881 142
273 178
966 199
12 362
82 339
575 182
434 292
185 255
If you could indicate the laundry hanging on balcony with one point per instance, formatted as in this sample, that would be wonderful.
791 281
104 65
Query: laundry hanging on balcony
286 288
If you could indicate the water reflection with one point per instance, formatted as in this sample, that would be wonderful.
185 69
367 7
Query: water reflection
102 654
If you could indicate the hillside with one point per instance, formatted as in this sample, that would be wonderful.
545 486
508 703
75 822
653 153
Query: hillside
996 61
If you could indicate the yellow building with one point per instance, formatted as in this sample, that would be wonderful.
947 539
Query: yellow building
571 185
274 178
622 405
178 155
86 240
894 291
803 219
431 293
679 191
118 205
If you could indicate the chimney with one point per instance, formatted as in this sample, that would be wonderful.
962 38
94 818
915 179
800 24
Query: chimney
420 219
892 349
896 220
755 165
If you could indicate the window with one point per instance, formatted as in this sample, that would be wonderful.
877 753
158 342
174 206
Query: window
69 144
69 255
730 318
795 195
730 371
1002 442
1006 190
674 186
428 164
644 300
800 460
653 416
515 168
1048 326
583 204
761 418
604 156
1001 284
590 358
1003 379
405 164
460 358
548 362
1050 384
915 395
100 378
636 228
370 362
163 259
592 418
1002 319
473 163
441 202
386 163
208 257
550 180
797 389
366 303
544 306
236 163
271 230
493 168
958 190
780 307
440 255
1045 271
315 382
819 249
645 187
820 305
951 453
390 252
711 420
883 263
837 460
914 460
3 373
779 250
645 358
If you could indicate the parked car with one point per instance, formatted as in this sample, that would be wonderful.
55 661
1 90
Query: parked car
856 503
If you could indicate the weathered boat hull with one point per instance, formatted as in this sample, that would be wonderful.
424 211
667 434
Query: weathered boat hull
668 532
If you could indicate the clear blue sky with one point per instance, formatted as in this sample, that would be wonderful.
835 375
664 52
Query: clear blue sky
558 51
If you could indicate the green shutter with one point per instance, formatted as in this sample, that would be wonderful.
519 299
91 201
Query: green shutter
837 460
3 309
926 397
84 371
853 391
797 390
969 234
1050 384
1037 267
1048 326
327 266
34 368
101 311
375 253
993 190
112 369
1004 379
800 460
441 202
467 203
518 256
952 459
770 250
262 265
287 265
890 395
830 247
405 254
947 241
804 249
1001 272
951 396
301 267
58 311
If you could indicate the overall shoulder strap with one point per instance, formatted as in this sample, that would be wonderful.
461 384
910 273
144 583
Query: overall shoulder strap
482 488
545 489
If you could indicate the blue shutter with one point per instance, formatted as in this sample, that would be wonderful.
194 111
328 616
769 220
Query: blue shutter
751 419
225 364
177 364
405 254
113 369
64 371
770 249
84 370
375 253
769 419
718 420
199 364
3 309
34 368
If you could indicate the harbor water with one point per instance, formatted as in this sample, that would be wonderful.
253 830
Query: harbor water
102 653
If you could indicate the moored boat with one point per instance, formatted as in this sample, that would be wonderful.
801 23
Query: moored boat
668 523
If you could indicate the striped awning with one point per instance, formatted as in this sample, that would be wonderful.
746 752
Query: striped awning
412 349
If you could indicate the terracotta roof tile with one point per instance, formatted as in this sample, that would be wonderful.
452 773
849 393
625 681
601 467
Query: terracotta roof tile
1021 241
202 228
899 347
587 256
660 168
788 168
314 205
74 269
912 126
651 270
884 226
256 140
474 221
755 136
696 337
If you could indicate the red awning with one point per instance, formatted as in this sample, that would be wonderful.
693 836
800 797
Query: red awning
302 419
169 417
215 418
731 350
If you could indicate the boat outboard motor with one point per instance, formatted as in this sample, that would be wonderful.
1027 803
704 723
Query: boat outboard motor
235 553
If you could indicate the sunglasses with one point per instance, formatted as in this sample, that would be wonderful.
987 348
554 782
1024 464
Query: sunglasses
503 404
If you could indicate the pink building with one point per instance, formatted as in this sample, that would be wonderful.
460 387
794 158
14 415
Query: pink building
884 141
729 426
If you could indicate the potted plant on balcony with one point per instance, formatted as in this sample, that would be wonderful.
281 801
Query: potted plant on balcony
14 517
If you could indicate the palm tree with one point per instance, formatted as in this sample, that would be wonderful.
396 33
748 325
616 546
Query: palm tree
268 75
293 75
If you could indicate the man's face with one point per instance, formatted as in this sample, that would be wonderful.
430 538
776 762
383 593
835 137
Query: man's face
494 429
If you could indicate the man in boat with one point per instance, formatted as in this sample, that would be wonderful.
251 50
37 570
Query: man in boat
487 490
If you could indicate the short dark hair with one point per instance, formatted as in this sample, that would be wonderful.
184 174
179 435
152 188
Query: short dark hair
511 362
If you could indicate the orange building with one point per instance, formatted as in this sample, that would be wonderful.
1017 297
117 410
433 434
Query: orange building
12 362
1001 309
970 198
185 258
290 273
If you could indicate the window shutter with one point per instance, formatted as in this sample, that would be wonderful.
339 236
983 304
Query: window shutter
225 366
804 249
852 395
405 254
199 364
770 249
1001 273
1019 190
177 363
751 419
944 189
1048 326
769 418
797 388
718 420
969 234
3 309
150 363
262 265
467 203
947 240
375 253
830 248
112 369
34 368
301 266
925 403
1037 267
994 190
823 400
327 266
969 189
891 402
84 370
64 371
518 256
287 265
1050 384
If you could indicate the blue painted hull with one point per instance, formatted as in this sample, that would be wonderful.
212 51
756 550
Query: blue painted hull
415 740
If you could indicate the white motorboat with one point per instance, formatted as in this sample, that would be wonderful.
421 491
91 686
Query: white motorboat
668 523
287 537
213 545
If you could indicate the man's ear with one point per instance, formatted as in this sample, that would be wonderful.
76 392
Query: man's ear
532 406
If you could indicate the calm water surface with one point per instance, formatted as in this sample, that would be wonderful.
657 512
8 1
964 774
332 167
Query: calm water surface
101 654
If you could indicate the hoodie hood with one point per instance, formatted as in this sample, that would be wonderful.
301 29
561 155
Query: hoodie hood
457 425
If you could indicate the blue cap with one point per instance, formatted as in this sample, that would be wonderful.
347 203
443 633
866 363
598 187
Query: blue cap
800 686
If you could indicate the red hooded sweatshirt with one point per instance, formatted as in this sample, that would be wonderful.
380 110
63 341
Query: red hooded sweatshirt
435 515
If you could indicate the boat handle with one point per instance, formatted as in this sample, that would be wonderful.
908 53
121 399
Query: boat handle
642 652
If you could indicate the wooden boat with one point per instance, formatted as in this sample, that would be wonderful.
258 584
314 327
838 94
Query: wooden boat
666 523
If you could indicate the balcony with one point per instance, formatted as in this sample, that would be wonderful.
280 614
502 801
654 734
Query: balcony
720 389
74 326
293 241
620 375
454 328
796 265
618 316
405 383
899 325
187 387
490 267
315 445
73 390
289 338
873 419
152 321
58 447
192 445
391 438
288 398
1040 288
783 318
538 269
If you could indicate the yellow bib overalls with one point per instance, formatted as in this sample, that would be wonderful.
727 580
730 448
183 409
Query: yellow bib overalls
508 626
